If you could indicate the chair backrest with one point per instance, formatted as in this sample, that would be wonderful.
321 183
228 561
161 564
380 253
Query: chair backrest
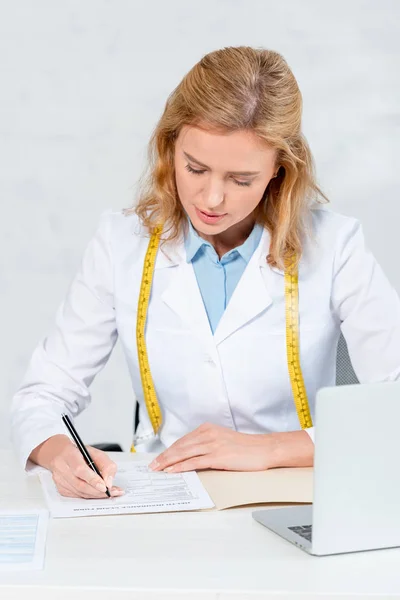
345 374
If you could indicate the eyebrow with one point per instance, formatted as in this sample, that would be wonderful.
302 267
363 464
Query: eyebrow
188 156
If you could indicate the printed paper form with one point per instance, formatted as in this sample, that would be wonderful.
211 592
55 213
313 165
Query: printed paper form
145 491
22 539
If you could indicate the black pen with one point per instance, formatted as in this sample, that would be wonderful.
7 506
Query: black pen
81 447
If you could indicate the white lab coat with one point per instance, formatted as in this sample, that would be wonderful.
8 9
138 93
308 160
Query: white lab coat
238 377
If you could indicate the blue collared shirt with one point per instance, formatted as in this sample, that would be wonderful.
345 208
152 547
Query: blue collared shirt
218 278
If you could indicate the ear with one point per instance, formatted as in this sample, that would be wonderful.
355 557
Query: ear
276 172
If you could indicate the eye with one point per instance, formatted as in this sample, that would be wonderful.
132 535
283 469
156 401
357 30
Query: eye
191 170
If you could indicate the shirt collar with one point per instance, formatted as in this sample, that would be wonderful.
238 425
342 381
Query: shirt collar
193 243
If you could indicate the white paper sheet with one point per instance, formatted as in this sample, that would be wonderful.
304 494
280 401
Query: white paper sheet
145 491
22 539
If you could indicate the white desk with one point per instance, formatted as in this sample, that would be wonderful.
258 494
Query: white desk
202 555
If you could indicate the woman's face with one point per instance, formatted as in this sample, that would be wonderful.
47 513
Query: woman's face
221 177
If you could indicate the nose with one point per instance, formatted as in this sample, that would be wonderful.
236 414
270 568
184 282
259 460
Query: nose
214 195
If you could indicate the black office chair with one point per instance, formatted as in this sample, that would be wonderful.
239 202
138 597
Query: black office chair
345 375
112 447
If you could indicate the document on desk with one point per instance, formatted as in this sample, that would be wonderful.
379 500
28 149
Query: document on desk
146 491
22 539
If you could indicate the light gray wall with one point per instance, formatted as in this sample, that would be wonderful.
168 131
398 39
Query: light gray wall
82 85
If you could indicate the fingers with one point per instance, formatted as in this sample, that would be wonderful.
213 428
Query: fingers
62 485
179 454
75 489
78 469
207 447
86 490
106 466
82 471
74 478
192 464
195 443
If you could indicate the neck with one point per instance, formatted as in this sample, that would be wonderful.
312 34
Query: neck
232 237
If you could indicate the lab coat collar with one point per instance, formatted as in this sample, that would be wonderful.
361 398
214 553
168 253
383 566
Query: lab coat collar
249 299
169 253
173 253
264 251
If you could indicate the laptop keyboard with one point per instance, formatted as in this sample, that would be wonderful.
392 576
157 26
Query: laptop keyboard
304 531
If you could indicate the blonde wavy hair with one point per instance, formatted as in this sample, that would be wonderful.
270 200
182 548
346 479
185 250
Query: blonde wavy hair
237 88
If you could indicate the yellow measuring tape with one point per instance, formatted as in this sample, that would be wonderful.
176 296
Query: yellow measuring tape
153 408
292 340
292 345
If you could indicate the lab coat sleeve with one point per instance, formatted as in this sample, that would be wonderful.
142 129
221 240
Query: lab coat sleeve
311 432
368 308
65 362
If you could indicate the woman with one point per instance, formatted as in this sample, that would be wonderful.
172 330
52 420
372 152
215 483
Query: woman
232 195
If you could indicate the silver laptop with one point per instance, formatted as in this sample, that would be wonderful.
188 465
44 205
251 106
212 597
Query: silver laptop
356 498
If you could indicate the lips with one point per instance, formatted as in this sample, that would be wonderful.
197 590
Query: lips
207 217
207 214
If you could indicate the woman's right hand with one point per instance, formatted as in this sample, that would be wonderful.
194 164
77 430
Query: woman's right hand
71 474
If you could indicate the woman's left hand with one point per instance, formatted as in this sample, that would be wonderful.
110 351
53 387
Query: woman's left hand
215 447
